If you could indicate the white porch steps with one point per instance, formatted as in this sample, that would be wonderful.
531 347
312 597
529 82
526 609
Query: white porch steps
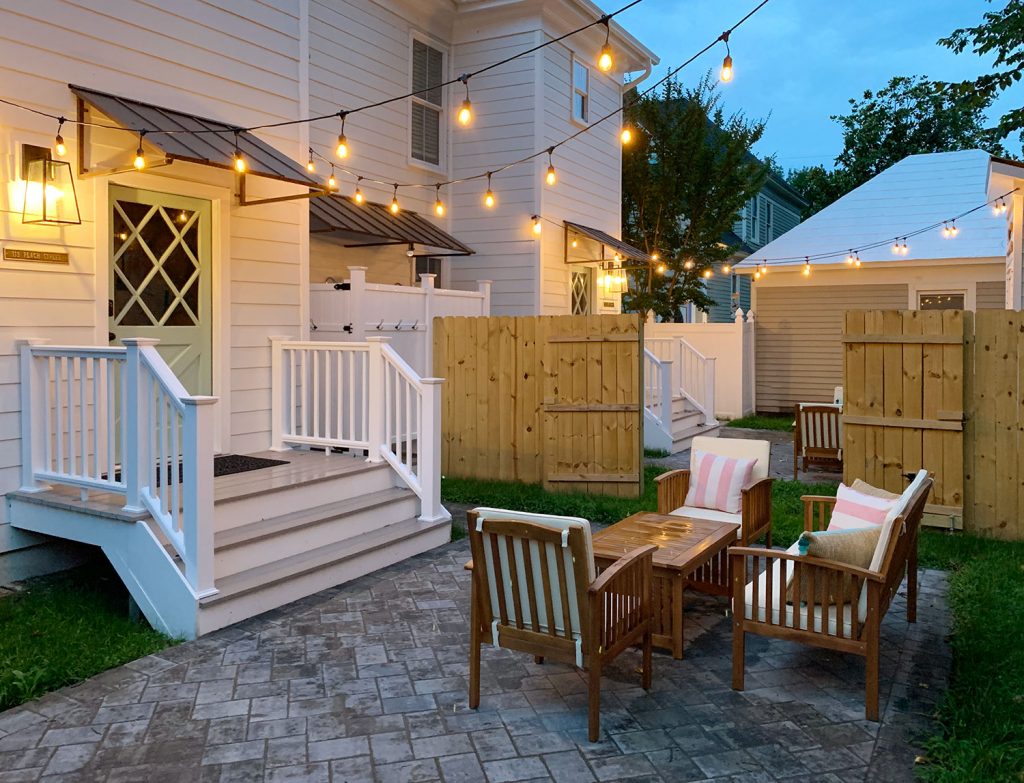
688 423
281 533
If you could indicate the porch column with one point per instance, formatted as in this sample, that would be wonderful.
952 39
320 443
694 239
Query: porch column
35 410
277 392
427 283
197 489
429 450
375 397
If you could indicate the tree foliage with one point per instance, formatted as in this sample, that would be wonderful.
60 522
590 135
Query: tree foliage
909 116
1001 35
685 177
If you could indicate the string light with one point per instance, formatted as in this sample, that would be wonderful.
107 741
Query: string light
953 230
342 149
332 181
239 160
551 178
856 262
310 166
537 226
438 204
465 115
59 146
903 248
896 248
358 195
764 267
688 264
394 201
605 60
807 267
182 216
626 134
140 159
726 269
661 268
999 207
850 258
489 200
707 273
726 74
575 243
757 274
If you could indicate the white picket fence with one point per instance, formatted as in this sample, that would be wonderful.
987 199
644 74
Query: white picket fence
360 395
116 419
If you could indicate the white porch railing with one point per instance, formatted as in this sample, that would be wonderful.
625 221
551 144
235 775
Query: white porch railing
657 401
692 373
118 420
360 395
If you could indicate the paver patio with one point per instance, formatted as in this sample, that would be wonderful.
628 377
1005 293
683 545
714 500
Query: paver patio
367 681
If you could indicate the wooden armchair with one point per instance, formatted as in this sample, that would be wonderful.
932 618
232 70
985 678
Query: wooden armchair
818 437
753 522
534 590
810 613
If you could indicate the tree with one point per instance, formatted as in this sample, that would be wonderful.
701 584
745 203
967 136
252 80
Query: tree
685 177
1000 34
909 116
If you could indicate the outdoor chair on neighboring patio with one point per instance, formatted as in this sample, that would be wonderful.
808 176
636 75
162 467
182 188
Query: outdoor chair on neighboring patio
753 518
824 602
534 590
818 437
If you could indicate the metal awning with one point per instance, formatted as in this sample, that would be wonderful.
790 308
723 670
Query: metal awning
208 149
373 224
624 249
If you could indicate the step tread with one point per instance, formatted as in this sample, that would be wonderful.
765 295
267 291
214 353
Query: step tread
296 520
301 471
262 576
691 432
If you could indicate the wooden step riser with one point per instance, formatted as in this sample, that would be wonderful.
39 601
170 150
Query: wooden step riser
411 539
232 560
686 421
274 503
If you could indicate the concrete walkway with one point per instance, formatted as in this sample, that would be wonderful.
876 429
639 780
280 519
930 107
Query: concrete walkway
367 682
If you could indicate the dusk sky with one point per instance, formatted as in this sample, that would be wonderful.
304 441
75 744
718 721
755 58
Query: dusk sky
799 61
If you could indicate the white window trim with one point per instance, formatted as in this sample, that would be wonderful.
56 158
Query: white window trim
573 59
443 157
970 299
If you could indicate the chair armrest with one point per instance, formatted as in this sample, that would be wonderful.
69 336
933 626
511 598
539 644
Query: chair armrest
756 509
672 489
817 511
619 602
737 553
632 560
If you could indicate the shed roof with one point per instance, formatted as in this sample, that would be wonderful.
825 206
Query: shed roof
916 192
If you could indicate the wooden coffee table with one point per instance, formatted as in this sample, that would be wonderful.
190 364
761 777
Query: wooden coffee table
684 545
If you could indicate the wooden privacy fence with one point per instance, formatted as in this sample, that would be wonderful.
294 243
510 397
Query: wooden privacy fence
543 399
943 390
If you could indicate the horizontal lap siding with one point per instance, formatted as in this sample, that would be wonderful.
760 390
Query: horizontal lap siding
799 338
228 60
990 295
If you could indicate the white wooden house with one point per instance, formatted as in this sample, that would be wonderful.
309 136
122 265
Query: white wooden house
107 437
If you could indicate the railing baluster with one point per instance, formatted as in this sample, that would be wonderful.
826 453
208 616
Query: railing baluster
175 481
314 429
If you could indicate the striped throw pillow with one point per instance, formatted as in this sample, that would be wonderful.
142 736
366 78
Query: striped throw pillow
854 509
716 481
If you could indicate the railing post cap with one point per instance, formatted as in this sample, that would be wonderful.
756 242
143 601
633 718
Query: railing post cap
139 341
32 341
378 339
199 400
280 338
431 381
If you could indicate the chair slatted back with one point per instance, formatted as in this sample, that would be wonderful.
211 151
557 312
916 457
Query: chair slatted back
820 429
532 581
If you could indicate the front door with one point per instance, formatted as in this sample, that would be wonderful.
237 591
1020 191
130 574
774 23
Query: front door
160 279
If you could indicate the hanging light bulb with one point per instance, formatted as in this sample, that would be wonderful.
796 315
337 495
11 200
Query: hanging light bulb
182 216
394 201
726 73
342 149
465 115
626 134
140 159
757 274
726 269
661 268
239 160
688 264
575 243
537 226
856 261
357 196
551 177
903 248
707 273
310 166
850 259
489 199
59 146
332 181
605 60
807 267
438 204
953 230
896 248
999 207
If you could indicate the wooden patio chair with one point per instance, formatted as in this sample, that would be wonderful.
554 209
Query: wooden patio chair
809 613
754 520
818 437
534 590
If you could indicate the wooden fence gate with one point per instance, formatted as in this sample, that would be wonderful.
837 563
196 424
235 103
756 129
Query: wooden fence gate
543 399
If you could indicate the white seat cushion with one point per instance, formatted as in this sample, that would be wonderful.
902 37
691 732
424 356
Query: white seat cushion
901 507
737 448
710 514
547 520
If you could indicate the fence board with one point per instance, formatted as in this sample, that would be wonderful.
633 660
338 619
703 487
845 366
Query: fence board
543 399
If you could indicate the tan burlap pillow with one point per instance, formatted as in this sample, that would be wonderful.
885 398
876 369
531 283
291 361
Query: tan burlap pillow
854 547
866 489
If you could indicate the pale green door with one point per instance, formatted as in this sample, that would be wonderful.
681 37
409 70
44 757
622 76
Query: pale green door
160 279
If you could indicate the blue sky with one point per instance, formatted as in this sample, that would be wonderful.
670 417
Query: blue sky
799 61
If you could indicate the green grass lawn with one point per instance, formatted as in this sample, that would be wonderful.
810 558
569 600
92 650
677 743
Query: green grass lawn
981 718
764 421
65 628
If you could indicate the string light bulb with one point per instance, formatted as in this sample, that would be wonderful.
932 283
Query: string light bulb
850 259
727 72
182 216
764 267
856 261
551 178
438 204
140 158
661 268
726 269
757 274
903 248
310 165
332 181
465 115
999 207
807 267
626 134
575 243
537 225
342 149
707 273
688 264
605 60
357 196
59 146
953 230
489 199
896 248
394 201
239 160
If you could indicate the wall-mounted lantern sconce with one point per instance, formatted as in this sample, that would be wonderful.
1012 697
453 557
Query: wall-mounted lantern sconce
50 198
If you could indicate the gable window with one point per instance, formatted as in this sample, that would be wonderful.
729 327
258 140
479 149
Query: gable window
427 106
941 300
580 91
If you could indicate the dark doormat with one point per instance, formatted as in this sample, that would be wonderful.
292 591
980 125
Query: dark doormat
230 464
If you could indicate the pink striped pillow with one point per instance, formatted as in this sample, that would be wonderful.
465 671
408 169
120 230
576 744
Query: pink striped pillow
716 481
854 509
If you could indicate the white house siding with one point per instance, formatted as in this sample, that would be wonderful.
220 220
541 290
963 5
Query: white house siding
229 60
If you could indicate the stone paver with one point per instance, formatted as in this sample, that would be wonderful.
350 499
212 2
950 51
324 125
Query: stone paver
367 682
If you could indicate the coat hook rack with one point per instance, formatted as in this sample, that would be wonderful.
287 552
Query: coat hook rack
380 325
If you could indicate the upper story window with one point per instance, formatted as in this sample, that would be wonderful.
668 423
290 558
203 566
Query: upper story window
427 106
580 91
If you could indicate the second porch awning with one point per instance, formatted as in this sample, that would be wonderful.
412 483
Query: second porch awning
373 224
624 249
